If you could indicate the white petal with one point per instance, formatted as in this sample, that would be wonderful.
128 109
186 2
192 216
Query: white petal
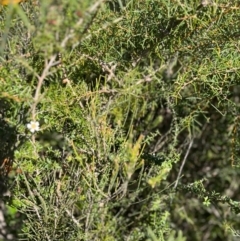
33 126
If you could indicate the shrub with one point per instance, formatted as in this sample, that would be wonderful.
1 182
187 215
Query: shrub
137 104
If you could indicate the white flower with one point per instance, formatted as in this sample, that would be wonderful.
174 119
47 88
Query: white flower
33 126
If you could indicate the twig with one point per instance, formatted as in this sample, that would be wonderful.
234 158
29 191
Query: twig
183 163
40 83
72 217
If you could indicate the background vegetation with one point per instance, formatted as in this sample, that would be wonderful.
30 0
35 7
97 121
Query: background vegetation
138 105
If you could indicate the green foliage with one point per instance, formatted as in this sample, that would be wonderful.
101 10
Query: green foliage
138 106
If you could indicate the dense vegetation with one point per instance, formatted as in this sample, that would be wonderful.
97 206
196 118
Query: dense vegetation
138 107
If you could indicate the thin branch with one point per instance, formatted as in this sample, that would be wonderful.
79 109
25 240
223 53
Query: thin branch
183 163
40 83
72 217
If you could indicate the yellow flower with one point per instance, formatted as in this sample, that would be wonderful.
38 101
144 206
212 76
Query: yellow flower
7 2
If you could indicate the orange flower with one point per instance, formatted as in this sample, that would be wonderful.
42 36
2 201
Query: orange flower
7 2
